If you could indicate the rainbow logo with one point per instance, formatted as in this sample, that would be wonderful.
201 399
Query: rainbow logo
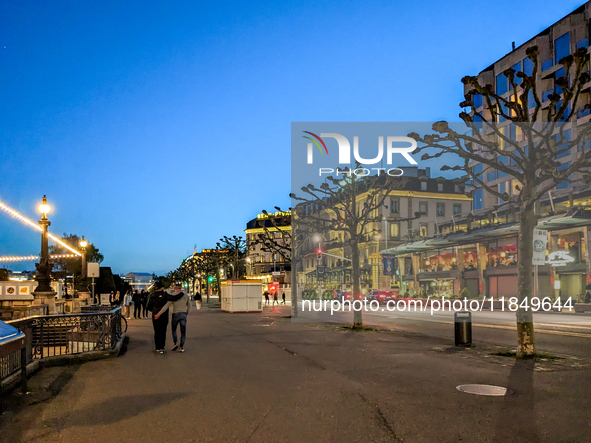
315 142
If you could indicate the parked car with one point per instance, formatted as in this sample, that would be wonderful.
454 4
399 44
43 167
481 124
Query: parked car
382 296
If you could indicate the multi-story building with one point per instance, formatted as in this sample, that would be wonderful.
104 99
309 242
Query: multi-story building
269 263
412 212
480 250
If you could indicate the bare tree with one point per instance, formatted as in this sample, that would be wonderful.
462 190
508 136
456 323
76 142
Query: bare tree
346 205
533 161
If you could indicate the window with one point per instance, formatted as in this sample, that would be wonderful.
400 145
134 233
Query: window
423 230
517 67
491 176
477 100
545 94
531 101
394 206
394 230
561 47
439 187
528 66
456 189
504 161
559 73
477 170
478 199
564 184
502 84
457 209
583 43
423 186
440 209
560 146
502 188
423 208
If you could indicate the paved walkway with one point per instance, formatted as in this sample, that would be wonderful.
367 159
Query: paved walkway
263 378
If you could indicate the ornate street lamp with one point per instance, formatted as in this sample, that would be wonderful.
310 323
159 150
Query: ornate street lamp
44 267
83 244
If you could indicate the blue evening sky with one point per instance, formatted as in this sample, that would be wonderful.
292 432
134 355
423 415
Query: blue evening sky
156 126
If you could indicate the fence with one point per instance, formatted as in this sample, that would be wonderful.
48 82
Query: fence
48 336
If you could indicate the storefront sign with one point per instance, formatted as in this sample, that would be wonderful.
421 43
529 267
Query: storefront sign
539 244
559 258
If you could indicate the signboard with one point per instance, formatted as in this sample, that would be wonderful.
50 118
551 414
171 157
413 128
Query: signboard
388 263
560 258
539 245
105 298
320 272
275 273
93 270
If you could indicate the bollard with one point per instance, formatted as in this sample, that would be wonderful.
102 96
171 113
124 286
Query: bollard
463 328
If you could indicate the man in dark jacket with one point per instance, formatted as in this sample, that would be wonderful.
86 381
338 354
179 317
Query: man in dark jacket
144 296
156 302
137 304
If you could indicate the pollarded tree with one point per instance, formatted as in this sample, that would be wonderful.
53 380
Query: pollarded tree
350 206
529 150
235 249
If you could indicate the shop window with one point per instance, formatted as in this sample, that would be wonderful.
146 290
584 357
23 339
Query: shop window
502 253
439 261
457 209
470 259
571 243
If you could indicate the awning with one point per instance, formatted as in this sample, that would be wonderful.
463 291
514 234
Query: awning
574 218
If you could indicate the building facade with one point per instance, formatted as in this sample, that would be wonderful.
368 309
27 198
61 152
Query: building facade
479 251
268 242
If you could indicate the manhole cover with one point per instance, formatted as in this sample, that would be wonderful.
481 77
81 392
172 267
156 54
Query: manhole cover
493 391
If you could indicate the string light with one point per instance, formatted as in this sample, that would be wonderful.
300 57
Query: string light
26 221
36 257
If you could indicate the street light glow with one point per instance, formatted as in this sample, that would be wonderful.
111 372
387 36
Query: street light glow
27 221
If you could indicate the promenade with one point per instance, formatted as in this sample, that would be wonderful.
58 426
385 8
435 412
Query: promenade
263 378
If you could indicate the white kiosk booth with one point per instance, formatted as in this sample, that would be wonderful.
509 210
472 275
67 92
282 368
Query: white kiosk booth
242 296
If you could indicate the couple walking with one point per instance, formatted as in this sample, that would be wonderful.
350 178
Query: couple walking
159 303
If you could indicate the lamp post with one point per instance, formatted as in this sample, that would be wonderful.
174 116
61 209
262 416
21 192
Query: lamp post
43 293
83 244
44 267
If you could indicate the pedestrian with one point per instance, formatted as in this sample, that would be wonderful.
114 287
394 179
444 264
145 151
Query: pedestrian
156 300
137 304
275 298
181 305
283 297
266 294
588 297
197 298
112 299
144 295
127 303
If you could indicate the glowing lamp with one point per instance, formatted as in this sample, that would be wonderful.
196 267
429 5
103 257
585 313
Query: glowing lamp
556 284
44 208
503 254
427 262
83 243
317 238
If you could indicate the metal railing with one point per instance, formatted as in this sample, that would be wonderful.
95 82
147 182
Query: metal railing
67 334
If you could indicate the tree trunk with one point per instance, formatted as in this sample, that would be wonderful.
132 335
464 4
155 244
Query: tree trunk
357 314
526 345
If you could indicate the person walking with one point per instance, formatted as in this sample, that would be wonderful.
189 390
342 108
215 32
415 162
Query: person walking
181 305
112 299
127 303
266 294
283 297
275 300
137 304
144 297
156 300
